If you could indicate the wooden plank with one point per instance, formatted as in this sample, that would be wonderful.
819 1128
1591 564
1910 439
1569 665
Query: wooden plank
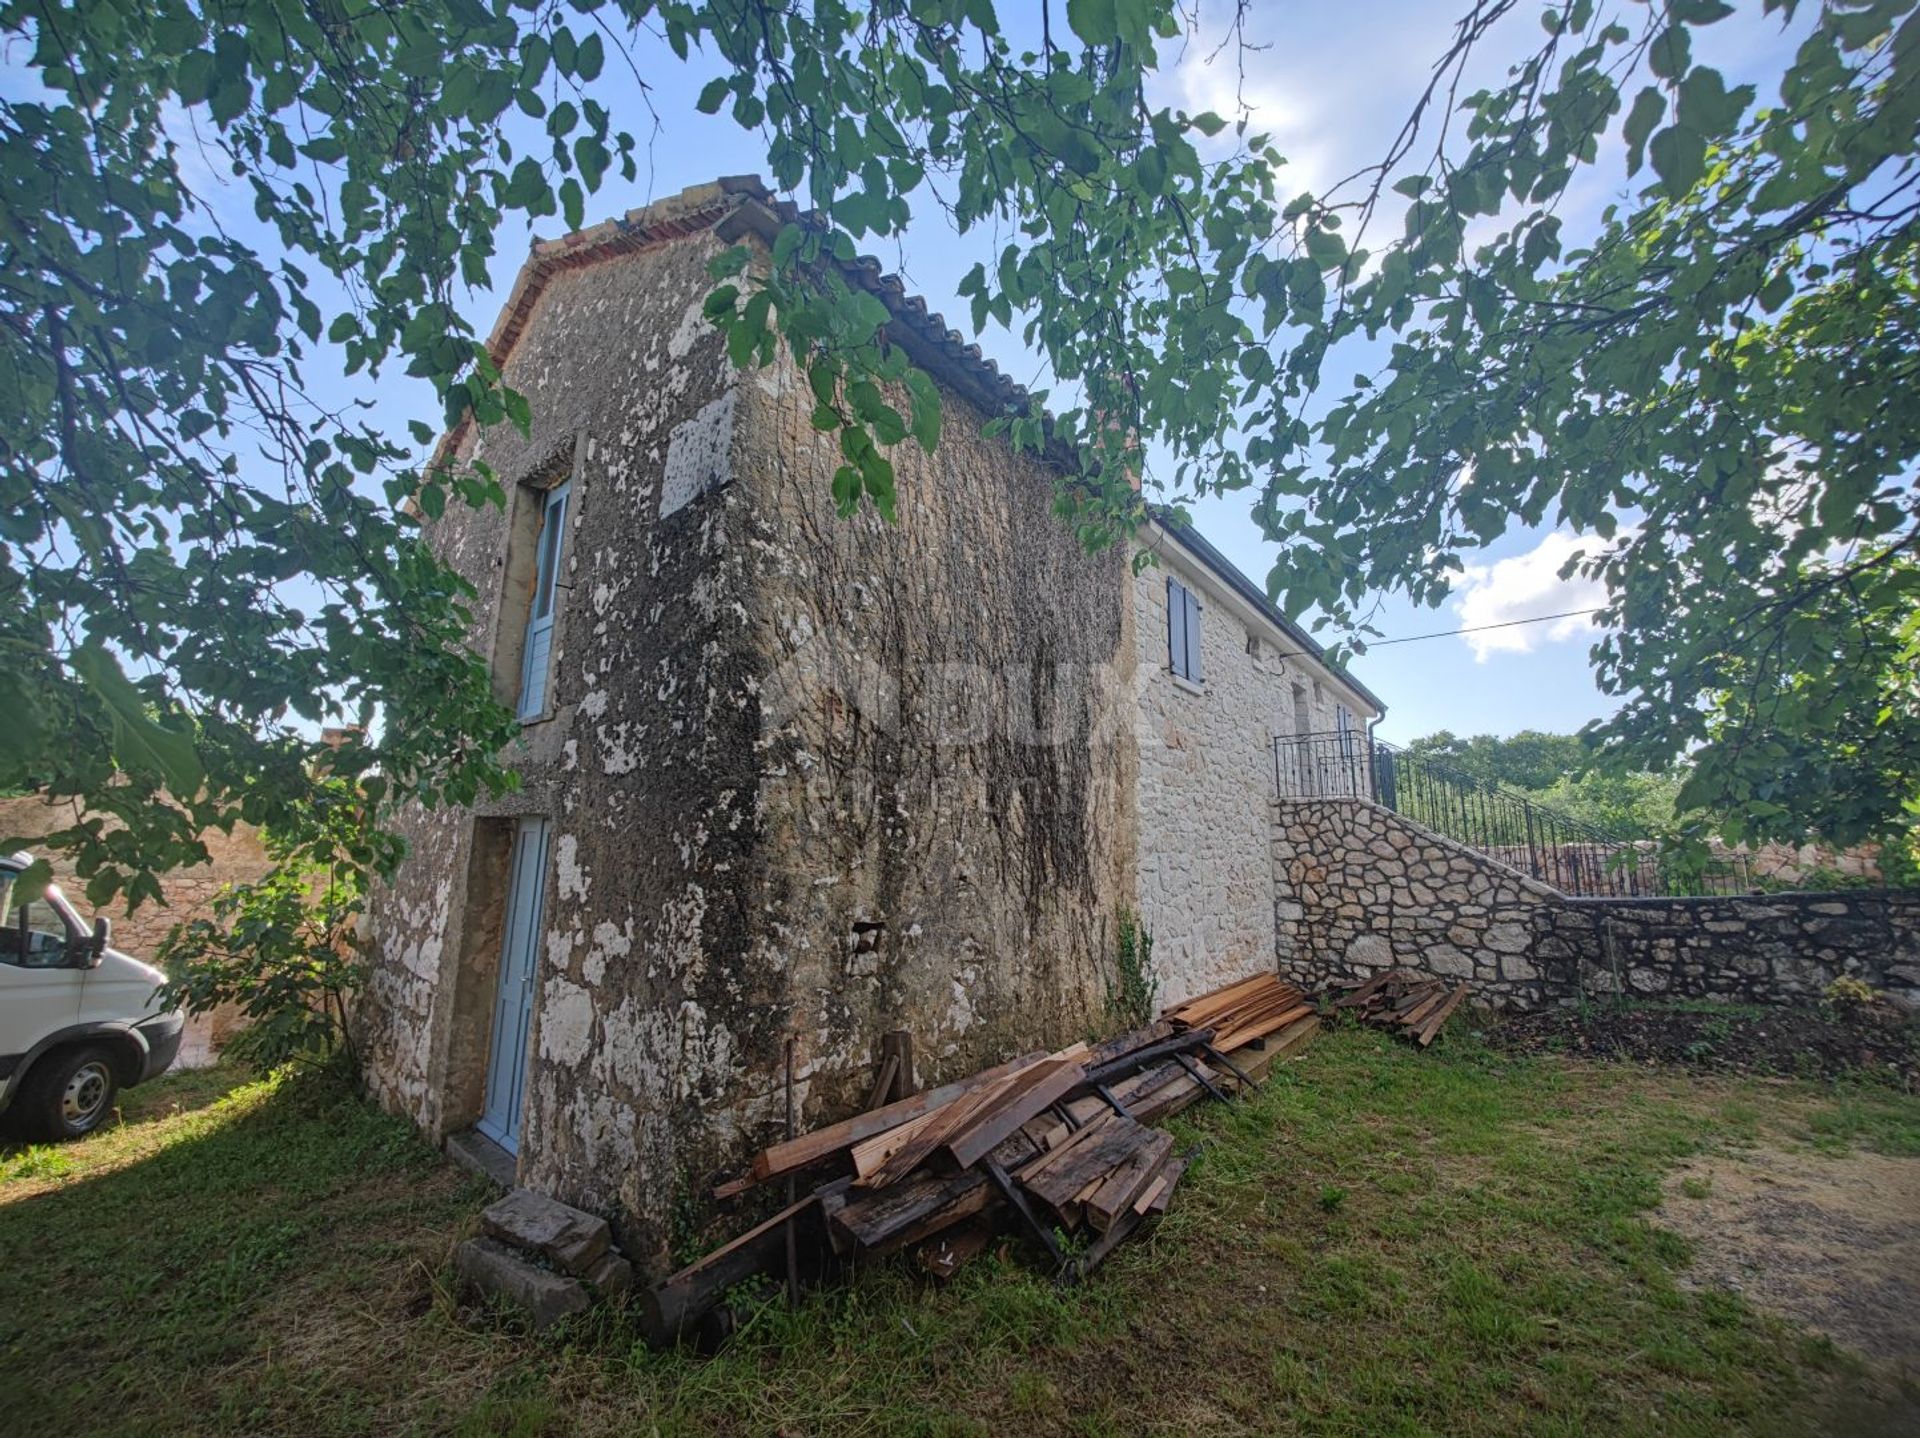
1085 1133
1217 997
1418 1014
929 1135
970 1144
1168 1099
965 1113
1116 1194
1180 1043
1259 1057
1431 1028
1271 1024
1060 1183
811 1148
897 1044
1163 1178
1110 1049
1131 1090
883 1082
871 1155
1086 1109
943 1254
1416 996
671 1307
1106 1243
1360 994
1171 1173
908 1212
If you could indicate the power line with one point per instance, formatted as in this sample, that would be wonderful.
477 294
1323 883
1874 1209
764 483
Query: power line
1450 633
1477 628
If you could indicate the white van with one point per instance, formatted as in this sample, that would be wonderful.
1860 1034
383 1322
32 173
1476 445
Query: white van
78 1019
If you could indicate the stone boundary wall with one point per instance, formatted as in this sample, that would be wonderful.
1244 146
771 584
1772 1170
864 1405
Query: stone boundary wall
1359 888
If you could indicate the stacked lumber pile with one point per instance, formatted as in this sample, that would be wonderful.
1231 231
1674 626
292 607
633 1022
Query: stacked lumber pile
1059 1144
1403 1003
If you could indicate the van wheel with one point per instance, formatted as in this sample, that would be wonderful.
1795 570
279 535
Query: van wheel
68 1095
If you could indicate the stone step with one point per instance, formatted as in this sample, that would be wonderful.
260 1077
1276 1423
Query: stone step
569 1237
498 1271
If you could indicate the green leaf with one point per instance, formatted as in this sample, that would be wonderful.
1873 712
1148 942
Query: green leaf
1671 52
713 96
590 58
1648 106
925 403
1679 159
1094 21
140 744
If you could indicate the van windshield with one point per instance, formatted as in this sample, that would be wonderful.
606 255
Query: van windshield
41 936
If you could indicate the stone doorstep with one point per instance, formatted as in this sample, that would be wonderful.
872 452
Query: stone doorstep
476 1153
573 1239
499 1272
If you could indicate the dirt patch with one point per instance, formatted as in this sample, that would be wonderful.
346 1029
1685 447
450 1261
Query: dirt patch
1832 1243
1810 1042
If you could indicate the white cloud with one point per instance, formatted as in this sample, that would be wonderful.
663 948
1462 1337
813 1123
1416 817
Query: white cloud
1523 586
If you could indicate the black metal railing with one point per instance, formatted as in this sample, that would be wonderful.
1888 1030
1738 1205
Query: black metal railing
1544 843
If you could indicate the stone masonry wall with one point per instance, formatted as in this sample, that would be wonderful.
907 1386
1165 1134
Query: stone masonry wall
643 765
941 779
764 822
1359 888
1206 782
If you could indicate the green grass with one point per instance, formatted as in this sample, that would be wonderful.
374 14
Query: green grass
1385 1241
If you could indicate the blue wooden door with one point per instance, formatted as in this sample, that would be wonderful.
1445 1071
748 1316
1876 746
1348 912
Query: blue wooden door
513 1009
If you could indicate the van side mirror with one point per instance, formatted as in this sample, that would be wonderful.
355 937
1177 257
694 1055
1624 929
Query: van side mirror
101 937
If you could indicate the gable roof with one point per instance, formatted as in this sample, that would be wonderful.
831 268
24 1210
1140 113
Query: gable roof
737 205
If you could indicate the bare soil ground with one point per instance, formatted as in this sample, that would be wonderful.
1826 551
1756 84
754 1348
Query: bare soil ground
1828 1241
1811 1042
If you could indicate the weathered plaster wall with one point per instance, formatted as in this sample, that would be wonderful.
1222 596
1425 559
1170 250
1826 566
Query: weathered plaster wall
944 765
644 765
1204 801
747 843
1359 888
236 858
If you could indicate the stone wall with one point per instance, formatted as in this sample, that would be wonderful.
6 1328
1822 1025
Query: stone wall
236 858
943 781
806 777
643 764
1206 779
1359 888
1771 949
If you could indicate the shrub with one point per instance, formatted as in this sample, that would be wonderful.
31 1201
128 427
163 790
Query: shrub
287 951
1130 993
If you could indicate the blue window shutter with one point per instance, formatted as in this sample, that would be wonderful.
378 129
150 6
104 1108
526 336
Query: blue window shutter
1195 671
1176 626
537 651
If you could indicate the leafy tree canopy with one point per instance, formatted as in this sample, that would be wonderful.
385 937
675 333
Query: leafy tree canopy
201 562
1715 390
1558 770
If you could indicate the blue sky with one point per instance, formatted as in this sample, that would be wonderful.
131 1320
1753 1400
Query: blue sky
1332 85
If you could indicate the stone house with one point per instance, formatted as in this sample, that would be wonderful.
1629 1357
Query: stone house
793 778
